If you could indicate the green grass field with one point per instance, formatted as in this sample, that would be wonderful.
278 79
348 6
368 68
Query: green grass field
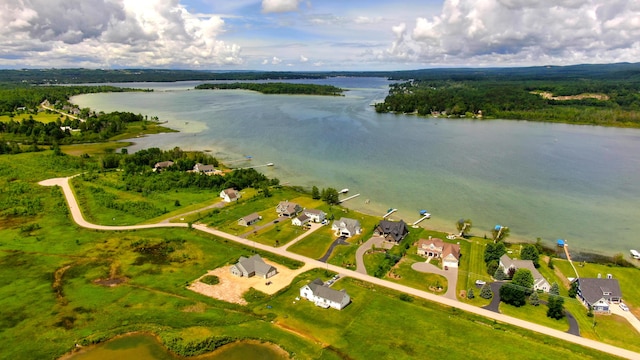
45 117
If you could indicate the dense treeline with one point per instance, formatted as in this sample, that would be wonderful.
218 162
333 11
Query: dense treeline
30 97
621 71
138 174
99 127
618 103
277 88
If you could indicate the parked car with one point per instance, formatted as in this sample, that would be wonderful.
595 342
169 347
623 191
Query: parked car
624 307
480 282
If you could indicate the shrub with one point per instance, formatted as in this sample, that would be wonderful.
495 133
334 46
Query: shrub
486 292
210 280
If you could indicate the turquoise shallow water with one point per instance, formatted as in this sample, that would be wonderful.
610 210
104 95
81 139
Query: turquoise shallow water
552 181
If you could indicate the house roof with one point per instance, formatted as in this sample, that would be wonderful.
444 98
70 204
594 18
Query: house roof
314 212
203 168
163 164
444 247
255 264
346 223
231 193
593 290
508 262
303 218
251 217
325 292
396 229
286 207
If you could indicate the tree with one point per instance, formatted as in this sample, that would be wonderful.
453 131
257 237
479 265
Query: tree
534 299
470 294
492 267
464 226
494 251
573 291
555 307
523 279
499 233
554 290
530 252
513 294
315 193
330 196
499 274
486 292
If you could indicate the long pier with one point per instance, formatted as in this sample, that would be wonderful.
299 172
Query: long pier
348 198
389 213
566 252
420 220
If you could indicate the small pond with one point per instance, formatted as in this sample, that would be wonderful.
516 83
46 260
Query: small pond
147 347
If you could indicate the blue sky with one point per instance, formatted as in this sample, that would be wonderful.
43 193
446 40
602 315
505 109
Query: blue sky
303 35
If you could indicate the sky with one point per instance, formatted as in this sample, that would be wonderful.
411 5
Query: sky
316 35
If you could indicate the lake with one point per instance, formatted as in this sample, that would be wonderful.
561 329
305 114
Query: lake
147 347
553 181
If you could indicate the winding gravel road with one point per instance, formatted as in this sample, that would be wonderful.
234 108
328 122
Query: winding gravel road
78 218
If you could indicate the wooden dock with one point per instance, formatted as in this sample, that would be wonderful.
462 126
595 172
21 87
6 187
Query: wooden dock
348 198
420 220
389 213
566 252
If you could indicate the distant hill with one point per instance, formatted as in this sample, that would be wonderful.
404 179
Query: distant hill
628 72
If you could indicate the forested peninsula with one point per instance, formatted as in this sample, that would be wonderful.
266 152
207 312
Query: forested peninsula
277 88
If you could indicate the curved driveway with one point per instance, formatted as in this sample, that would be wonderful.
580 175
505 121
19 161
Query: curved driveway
77 216
451 275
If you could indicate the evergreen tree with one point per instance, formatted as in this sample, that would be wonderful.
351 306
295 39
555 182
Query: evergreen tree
499 274
556 308
534 299
470 294
555 290
530 252
315 193
486 292
573 291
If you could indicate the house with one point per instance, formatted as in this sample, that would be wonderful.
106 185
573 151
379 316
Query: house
253 266
301 220
229 195
393 231
599 293
436 248
206 169
324 296
539 282
316 216
288 209
346 227
249 219
159 166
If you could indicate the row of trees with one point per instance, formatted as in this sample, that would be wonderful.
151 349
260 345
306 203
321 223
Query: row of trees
277 88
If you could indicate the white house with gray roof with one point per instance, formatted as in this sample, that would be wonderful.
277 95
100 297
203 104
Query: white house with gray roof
539 282
325 296
599 293
315 215
346 227
253 266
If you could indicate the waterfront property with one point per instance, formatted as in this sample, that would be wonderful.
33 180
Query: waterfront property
392 231
346 227
315 215
253 266
162 165
436 248
539 282
206 169
229 195
324 296
599 293
288 209
249 219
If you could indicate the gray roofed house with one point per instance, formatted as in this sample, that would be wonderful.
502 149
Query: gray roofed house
162 165
229 195
253 266
346 227
205 169
599 293
315 215
393 231
249 219
288 209
539 282
325 296
301 220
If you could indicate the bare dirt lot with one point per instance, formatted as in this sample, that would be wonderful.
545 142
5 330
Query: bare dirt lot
231 287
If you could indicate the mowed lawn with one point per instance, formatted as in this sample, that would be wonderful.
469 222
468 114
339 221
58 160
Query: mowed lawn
378 325
44 117
315 245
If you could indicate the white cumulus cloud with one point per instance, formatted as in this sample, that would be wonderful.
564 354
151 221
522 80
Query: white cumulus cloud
279 6
303 59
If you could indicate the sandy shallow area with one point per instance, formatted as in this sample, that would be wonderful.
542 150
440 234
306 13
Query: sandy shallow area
231 287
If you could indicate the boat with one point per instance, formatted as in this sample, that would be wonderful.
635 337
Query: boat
270 164
635 254
343 191
425 213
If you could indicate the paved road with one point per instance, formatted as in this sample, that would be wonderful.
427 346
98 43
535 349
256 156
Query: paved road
220 204
451 275
77 216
